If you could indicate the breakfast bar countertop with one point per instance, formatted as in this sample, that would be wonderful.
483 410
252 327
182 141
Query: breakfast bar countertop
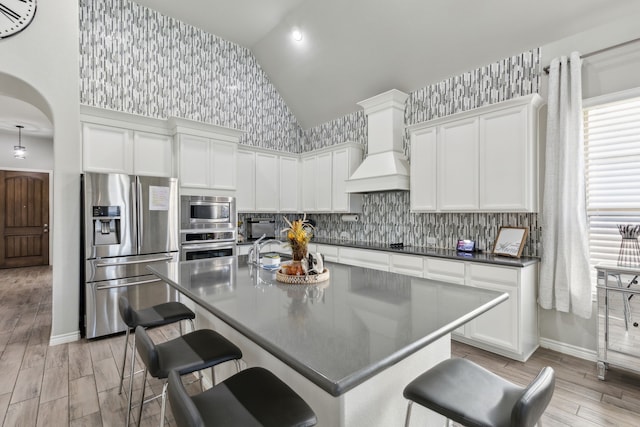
338 333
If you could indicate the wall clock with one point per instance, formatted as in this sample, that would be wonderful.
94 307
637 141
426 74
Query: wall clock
15 16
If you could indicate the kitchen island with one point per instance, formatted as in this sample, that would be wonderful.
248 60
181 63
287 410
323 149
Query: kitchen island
348 346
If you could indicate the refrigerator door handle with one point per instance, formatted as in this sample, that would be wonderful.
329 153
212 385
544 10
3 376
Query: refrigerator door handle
126 285
147 260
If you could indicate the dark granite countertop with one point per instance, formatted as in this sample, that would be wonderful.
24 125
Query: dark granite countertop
337 333
483 257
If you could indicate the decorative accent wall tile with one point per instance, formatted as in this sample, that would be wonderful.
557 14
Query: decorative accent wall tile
136 60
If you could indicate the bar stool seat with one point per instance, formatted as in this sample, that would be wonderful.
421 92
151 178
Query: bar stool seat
252 397
473 396
192 352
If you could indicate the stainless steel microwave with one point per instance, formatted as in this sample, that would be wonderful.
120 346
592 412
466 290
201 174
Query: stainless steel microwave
209 212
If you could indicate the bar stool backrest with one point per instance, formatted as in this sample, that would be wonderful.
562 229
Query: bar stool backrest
534 400
184 410
126 312
147 351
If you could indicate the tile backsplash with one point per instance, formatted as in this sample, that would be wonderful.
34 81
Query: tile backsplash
136 60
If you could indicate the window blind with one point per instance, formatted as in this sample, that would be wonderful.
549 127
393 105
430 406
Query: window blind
612 174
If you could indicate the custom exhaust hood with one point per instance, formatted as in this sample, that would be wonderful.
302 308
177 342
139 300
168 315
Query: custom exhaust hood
385 168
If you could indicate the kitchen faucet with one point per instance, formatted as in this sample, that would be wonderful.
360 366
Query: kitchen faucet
254 252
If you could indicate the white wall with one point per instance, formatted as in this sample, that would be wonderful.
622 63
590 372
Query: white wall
40 65
39 152
612 71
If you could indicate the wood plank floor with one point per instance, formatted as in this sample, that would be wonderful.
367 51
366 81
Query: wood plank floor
76 384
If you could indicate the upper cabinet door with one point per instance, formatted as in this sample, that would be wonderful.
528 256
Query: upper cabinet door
266 182
152 154
458 166
507 157
194 161
222 165
289 184
308 184
107 149
245 181
324 182
423 170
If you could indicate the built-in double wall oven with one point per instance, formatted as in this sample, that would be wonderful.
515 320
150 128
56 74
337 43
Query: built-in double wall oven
207 227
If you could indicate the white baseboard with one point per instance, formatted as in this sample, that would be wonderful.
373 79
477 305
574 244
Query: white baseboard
64 338
569 349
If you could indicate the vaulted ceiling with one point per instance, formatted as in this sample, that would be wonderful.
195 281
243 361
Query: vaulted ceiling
354 49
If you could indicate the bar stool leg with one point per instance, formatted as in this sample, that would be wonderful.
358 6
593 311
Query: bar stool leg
131 376
407 419
124 359
164 402
144 383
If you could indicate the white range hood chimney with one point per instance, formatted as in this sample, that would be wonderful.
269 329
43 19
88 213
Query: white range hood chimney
385 168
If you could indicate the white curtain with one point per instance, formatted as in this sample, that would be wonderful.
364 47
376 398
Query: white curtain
564 274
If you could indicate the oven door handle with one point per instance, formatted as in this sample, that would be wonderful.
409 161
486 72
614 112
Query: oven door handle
143 261
203 246
125 285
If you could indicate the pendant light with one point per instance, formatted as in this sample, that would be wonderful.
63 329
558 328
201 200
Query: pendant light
19 152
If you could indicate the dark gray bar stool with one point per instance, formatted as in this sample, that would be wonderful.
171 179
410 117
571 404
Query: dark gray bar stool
192 352
151 317
472 396
253 397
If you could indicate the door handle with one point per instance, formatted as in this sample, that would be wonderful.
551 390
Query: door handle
45 228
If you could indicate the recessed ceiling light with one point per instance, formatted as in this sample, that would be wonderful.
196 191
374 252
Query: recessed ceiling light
296 34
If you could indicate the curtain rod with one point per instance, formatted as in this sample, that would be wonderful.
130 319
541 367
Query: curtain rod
596 52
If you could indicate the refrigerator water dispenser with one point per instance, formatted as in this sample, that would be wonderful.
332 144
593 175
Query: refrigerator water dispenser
106 225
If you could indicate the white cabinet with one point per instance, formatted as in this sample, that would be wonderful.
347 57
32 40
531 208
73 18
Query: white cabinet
245 181
107 149
323 181
121 149
345 161
411 265
445 270
308 183
324 173
486 160
289 183
457 168
508 179
267 185
423 173
375 260
331 253
207 163
511 328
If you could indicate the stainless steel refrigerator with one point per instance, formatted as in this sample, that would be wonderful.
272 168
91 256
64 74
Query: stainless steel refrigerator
130 222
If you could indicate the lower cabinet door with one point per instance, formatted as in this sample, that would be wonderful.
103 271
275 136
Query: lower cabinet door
499 326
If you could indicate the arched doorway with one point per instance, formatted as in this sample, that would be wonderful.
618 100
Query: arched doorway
24 184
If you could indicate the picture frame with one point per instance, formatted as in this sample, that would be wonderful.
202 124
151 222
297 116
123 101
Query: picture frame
510 241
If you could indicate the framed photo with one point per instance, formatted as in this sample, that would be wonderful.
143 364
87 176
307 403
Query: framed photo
510 241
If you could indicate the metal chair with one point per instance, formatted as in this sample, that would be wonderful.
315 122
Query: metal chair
254 397
157 315
472 396
192 352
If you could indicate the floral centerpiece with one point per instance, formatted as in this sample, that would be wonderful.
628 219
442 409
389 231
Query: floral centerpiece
299 233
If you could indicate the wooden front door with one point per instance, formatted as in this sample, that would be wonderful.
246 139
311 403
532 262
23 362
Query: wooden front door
24 219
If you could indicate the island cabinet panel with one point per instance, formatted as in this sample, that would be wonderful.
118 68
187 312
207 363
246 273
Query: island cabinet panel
446 271
267 185
486 159
246 181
